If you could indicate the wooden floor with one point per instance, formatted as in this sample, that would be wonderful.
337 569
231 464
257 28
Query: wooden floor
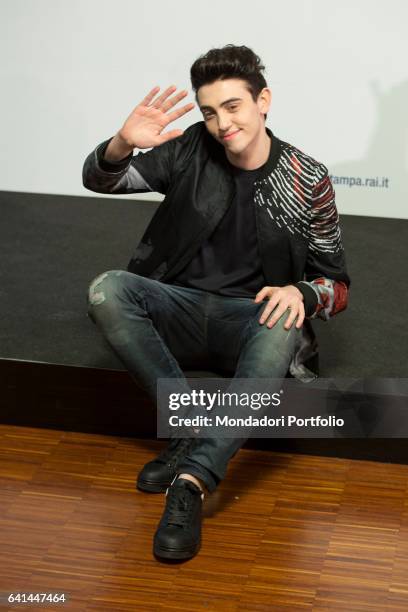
282 532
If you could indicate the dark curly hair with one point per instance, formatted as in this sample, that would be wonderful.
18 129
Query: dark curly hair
229 62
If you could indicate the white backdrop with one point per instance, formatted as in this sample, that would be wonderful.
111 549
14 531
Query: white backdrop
72 70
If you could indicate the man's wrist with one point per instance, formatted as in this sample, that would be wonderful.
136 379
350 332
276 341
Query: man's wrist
300 294
117 150
309 297
111 167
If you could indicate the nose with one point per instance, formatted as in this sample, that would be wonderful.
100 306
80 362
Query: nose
224 122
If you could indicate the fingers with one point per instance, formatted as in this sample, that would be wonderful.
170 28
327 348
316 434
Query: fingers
278 311
262 294
180 111
280 301
269 308
169 136
146 101
164 106
294 313
301 316
173 101
166 93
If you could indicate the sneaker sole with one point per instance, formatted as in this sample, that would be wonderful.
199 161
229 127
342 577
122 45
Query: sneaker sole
172 553
152 487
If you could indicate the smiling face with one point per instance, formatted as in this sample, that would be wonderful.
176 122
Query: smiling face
235 119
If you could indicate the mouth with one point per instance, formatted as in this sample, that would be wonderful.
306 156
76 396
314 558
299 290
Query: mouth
231 135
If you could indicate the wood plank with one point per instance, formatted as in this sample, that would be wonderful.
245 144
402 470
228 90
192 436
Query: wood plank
282 532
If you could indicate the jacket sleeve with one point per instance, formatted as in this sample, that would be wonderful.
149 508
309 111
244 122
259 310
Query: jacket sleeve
326 283
150 171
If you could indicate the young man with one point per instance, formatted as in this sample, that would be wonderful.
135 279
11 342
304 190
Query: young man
242 252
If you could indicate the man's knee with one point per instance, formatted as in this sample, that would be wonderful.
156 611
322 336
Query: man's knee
271 345
103 287
283 333
285 340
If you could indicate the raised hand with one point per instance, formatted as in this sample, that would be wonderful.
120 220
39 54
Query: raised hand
145 124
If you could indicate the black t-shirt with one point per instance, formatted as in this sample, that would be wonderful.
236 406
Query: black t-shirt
228 263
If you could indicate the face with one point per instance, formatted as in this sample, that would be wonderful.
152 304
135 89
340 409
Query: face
231 115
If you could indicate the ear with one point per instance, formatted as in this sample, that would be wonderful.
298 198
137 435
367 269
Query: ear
264 100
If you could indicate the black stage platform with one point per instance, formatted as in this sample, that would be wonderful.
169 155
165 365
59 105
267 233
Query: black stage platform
57 371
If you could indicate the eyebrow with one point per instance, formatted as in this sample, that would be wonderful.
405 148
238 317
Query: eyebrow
203 108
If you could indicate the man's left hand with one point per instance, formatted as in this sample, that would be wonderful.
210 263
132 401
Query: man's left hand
281 299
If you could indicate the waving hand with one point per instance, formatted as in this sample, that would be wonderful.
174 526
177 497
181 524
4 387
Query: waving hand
145 124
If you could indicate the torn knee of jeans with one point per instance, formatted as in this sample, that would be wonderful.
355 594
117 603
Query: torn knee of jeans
97 297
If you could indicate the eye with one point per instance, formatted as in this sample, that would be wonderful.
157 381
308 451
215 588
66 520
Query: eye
207 115
233 107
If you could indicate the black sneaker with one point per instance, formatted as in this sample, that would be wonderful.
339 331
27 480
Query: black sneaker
157 475
178 535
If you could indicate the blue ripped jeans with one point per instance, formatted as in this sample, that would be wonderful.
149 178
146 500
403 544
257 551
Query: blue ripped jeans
157 330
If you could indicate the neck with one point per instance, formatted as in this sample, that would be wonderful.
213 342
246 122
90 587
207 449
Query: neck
255 155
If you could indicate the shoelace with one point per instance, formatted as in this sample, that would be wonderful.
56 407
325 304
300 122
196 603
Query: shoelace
179 507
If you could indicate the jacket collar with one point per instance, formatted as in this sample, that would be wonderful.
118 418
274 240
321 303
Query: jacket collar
274 154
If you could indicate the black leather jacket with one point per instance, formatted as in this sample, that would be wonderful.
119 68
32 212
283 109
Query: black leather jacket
298 229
